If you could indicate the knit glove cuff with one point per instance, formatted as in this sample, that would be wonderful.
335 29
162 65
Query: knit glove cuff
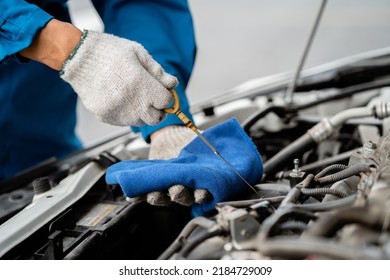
117 80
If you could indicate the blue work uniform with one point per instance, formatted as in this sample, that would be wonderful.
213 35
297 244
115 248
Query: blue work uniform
38 109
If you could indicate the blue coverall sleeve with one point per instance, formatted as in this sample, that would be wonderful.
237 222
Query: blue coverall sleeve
20 22
165 29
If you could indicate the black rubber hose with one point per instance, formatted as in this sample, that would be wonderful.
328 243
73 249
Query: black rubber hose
350 171
281 215
294 194
280 111
323 191
189 246
286 155
293 225
329 205
330 170
249 202
292 197
328 224
300 248
348 186
320 163
187 230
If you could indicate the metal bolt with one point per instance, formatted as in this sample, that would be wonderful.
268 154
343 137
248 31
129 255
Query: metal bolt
296 164
369 149
296 175
371 145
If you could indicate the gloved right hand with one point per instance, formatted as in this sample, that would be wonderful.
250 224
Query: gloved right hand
117 80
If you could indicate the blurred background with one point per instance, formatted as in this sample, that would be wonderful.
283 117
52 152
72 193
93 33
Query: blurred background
239 40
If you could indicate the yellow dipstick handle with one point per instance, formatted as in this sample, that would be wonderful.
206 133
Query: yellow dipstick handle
175 109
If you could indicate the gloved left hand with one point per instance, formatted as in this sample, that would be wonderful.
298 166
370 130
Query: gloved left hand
196 167
167 144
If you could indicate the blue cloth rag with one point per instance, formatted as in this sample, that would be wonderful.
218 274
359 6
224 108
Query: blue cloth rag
196 167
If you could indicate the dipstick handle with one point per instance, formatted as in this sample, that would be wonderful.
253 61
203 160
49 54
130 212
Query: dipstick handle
175 109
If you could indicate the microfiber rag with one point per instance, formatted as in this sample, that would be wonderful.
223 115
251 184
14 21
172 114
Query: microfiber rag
196 167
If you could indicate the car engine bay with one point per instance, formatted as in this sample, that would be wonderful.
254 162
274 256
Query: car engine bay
325 191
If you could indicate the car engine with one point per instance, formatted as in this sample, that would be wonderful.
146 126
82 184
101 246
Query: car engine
325 191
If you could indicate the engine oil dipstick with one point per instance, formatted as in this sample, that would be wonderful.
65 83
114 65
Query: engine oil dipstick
175 109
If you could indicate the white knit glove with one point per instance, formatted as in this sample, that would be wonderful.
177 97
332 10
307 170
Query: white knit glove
118 80
165 145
